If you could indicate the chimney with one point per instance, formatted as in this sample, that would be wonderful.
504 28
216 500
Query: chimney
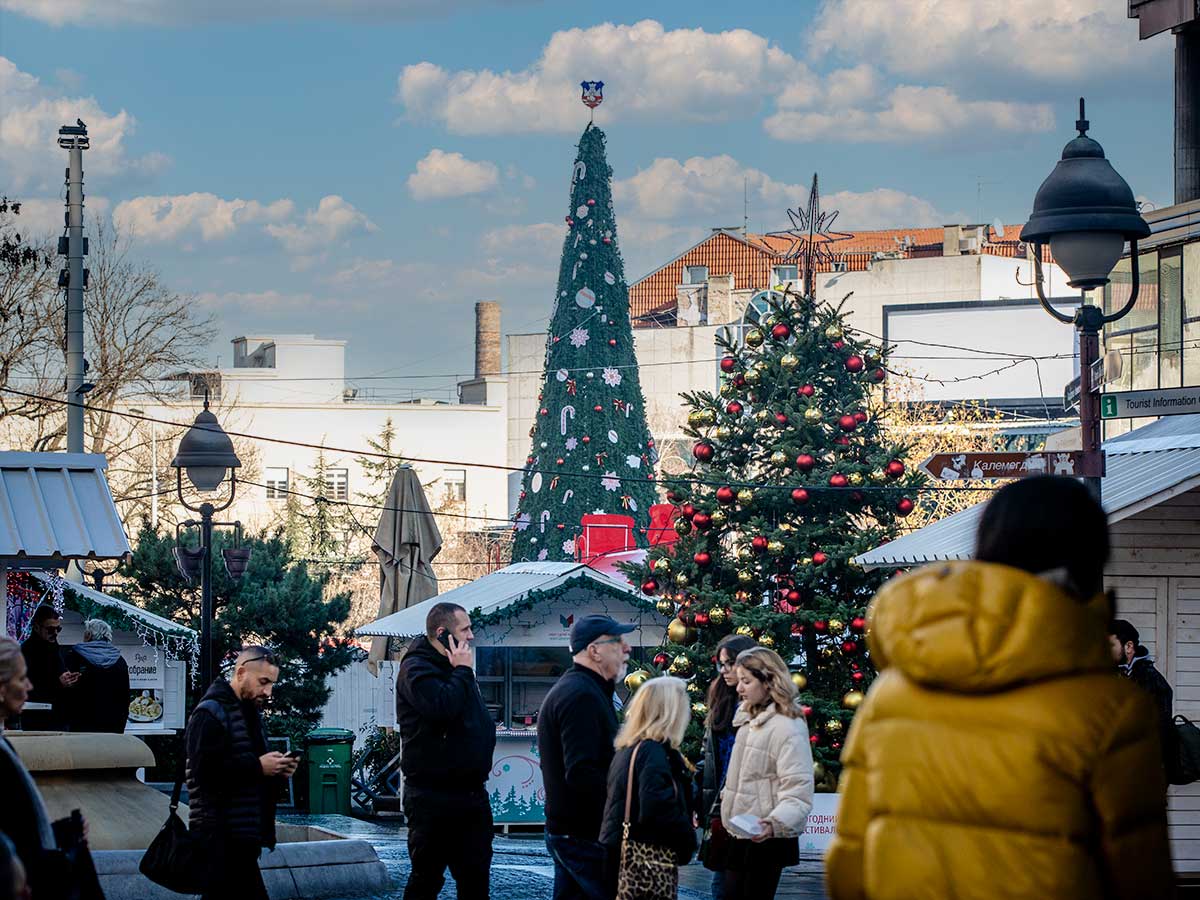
487 339
951 235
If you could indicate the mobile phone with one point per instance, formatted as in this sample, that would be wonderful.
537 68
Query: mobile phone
444 639
295 754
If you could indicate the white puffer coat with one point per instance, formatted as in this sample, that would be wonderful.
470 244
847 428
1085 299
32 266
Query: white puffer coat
770 772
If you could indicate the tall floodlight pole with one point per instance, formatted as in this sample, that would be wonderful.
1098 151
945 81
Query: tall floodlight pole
74 139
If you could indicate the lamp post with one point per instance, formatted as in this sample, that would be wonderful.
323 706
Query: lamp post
206 452
1086 212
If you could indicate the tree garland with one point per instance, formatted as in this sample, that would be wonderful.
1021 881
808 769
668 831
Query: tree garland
535 598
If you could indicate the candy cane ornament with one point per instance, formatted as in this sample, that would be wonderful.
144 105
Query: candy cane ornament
568 494
562 418
543 519
579 172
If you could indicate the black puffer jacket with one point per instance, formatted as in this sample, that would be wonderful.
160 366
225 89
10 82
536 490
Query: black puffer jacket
447 734
228 794
99 702
1142 672
661 809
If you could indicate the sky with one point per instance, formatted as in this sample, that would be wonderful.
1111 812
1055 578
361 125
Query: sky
368 169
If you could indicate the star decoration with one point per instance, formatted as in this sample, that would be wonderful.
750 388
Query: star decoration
811 234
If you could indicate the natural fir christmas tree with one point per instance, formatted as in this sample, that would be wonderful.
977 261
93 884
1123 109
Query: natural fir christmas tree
592 451
794 478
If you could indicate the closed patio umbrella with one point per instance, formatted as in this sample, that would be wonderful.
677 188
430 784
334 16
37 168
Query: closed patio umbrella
406 542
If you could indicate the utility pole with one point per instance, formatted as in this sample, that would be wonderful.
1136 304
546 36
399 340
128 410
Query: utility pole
74 139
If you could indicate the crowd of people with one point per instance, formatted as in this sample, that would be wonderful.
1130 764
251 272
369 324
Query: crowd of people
982 763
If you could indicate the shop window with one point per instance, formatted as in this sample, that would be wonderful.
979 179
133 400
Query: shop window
515 680
1191 313
276 481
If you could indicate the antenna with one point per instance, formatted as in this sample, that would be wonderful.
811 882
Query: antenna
745 206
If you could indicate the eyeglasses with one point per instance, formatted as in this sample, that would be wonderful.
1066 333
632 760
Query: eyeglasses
53 629
611 640
268 658
725 666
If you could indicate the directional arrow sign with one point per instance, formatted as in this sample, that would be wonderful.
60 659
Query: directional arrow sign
1134 404
974 466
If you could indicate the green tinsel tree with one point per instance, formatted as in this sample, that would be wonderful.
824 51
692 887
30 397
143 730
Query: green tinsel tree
794 478
592 451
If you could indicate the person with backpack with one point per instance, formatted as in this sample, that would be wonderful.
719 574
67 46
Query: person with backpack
1135 663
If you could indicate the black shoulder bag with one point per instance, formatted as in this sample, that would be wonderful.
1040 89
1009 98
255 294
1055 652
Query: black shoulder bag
171 859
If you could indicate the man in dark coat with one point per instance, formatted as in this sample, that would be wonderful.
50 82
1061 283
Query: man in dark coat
448 738
47 670
99 701
576 727
232 779
1135 663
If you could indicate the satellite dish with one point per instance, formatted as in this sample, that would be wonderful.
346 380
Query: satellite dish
998 227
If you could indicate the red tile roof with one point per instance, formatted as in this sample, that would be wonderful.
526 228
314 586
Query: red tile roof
749 259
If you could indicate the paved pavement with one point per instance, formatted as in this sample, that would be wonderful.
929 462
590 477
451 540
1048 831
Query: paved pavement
521 868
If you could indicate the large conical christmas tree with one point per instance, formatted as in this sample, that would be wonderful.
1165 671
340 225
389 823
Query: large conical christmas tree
592 451
794 478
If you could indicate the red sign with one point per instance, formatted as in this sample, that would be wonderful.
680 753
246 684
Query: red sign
976 466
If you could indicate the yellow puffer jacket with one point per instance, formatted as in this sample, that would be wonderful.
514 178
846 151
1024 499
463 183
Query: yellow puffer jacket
997 754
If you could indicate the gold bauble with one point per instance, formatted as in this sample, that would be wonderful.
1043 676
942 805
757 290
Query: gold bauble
679 633
694 689
833 332
683 526
786 526
763 416
788 361
745 576
745 553
855 478
741 597
762 365
827 653
800 680
694 418
836 626
806 561
769 320
819 772
716 615
666 607
812 414
745 496
636 679
728 389
707 416
724 432
718 518
700 709
744 630
779 458
834 727
680 665
766 640
775 548
753 377
754 337
879 476
681 579
662 565
853 699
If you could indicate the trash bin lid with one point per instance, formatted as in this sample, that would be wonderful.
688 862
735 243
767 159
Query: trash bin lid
329 736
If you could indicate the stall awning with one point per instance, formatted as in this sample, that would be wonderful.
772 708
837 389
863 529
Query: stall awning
497 591
56 507
1144 467
149 619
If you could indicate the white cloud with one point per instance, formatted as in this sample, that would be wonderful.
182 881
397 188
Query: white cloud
30 116
711 188
332 220
41 217
907 113
1061 39
680 75
541 240
168 218
182 12
441 174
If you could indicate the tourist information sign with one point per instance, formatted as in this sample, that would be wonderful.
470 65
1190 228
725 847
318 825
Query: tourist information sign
1135 404
987 466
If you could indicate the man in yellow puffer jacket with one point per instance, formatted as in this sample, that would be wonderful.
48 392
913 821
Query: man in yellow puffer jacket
996 755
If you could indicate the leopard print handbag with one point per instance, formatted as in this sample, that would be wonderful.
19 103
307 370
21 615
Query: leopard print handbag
647 871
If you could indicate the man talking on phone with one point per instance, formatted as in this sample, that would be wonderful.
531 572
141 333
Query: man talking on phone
448 737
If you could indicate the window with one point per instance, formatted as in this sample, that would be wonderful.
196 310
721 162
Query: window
1170 318
1191 313
695 275
276 479
456 484
337 484
756 308
205 385
784 274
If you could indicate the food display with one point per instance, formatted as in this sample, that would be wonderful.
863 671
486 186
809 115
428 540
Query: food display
145 707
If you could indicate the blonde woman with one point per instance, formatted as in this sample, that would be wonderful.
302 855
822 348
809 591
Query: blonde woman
655 722
768 790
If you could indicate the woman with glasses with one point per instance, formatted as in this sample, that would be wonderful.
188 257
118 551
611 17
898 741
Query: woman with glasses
719 735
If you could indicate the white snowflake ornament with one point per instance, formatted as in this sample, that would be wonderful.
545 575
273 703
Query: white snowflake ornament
610 481
611 376
579 337
634 462
568 547
522 521
572 443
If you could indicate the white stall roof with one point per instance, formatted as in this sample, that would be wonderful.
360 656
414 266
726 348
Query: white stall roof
57 506
494 592
1144 467
158 623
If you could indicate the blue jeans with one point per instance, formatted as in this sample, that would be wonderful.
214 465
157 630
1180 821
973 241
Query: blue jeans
578 868
718 885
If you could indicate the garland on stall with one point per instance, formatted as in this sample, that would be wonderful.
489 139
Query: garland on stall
536 598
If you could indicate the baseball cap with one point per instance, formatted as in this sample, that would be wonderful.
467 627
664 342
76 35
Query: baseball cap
587 629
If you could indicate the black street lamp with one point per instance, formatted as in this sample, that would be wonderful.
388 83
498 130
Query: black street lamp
206 452
1086 212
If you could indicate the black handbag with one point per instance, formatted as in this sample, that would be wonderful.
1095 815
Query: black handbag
68 871
1184 757
172 859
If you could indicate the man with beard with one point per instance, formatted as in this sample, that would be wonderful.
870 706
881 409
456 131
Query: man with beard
576 728
47 670
232 779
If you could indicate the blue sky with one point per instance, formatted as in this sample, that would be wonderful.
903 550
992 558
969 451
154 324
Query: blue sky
367 169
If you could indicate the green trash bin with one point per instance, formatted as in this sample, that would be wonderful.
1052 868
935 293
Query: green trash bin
330 755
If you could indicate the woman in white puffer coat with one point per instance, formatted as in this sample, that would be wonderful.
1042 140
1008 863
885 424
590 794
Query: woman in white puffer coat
768 790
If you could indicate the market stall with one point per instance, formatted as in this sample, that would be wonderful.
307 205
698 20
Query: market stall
521 616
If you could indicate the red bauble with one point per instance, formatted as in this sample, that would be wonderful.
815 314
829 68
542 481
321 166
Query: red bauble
857 676
739 380
895 469
847 423
522 497
702 521
799 495
878 375
543 411
819 558
797 628
854 363
838 345
702 558
598 408
758 544
793 597
860 417
726 495
728 363
734 408
805 462
687 511
849 646
842 441
649 586
904 506
606 240
560 526
807 710
586 439
836 745
781 332
814 738
591 202
569 220
858 623
559 461
781 418
703 451
660 659
701 620
820 626
838 480
612 342
806 390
